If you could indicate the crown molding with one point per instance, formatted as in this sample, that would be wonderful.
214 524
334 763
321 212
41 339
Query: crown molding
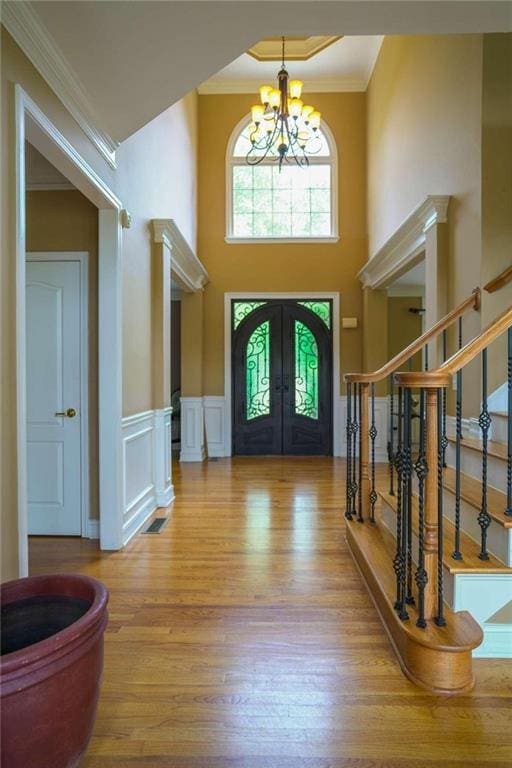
25 27
187 270
404 248
219 87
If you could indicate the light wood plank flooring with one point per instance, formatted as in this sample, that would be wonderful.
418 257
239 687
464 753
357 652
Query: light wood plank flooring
242 637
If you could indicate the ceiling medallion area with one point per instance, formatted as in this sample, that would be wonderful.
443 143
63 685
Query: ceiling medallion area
299 48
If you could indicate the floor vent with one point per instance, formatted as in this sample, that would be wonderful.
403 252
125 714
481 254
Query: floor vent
156 525
213 458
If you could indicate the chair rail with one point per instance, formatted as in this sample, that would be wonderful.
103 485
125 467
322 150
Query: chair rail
471 302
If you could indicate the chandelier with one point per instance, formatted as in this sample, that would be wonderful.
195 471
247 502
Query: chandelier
283 127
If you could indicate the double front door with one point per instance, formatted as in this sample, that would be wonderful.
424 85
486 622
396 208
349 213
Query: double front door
282 377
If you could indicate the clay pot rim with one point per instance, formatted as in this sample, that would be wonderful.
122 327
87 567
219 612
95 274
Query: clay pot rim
34 586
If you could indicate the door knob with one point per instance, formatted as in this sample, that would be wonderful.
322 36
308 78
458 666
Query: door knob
70 413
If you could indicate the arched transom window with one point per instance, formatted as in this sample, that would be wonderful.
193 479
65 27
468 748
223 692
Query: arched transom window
265 203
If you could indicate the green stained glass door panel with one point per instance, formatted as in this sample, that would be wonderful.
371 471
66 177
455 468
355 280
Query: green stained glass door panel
320 308
241 309
306 371
258 372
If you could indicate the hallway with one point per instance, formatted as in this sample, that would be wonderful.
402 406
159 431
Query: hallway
242 637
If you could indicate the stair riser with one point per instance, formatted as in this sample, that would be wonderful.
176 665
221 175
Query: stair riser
499 428
471 464
499 539
483 595
480 594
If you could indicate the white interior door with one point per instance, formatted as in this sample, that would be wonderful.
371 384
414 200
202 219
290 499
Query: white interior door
53 397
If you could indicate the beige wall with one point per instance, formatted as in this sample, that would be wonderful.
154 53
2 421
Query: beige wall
281 267
404 326
67 221
151 183
496 187
424 137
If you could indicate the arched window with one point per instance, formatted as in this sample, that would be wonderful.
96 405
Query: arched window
264 203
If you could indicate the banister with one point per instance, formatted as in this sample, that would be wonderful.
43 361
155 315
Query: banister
471 302
442 376
498 282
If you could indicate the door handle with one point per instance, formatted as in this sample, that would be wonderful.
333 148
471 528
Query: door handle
70 413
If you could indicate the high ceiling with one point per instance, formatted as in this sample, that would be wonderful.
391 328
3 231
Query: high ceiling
126 61
346 65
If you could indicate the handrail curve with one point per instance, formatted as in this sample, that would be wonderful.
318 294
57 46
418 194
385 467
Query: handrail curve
442 376
471 302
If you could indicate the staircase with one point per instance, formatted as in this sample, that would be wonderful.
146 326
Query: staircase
435 545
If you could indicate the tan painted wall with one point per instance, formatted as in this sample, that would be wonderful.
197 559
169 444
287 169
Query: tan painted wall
151 184
496 187
67 221
280 267
403 326
424 137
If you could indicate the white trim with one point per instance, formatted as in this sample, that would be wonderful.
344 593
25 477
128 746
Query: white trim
32 124
406 246
317 295
335 85
23 24
82 257
48 186
163 471
274 240
93 529
232 161
187 270
140 501
214 424
192 429
498 400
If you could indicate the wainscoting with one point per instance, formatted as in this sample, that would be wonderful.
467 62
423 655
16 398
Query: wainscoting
147 479
205 419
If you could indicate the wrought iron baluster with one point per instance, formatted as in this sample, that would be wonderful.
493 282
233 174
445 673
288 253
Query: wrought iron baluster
362 437
407 496
508 510
439 619
348 431
485 421
391 457
399 559
373 435
354 449
456 554
444 439
421 576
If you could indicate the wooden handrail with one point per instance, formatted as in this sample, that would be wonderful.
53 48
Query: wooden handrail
442 376
500 281
472 302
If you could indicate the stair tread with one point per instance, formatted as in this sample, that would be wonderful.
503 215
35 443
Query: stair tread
378 547
494 448
471 492
469 548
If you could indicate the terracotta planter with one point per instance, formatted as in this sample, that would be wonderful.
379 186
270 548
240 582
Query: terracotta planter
52 646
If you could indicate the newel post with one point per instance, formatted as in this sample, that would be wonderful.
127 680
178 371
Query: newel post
431 501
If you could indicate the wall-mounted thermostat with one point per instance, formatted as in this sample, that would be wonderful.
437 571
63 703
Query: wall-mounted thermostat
349 322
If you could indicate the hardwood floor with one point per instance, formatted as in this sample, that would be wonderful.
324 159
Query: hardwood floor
242 637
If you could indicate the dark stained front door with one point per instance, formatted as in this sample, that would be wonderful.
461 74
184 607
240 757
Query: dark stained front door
282 377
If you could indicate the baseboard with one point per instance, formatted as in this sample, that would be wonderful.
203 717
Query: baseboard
93 529
137 520
164 498
199 455
147 479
